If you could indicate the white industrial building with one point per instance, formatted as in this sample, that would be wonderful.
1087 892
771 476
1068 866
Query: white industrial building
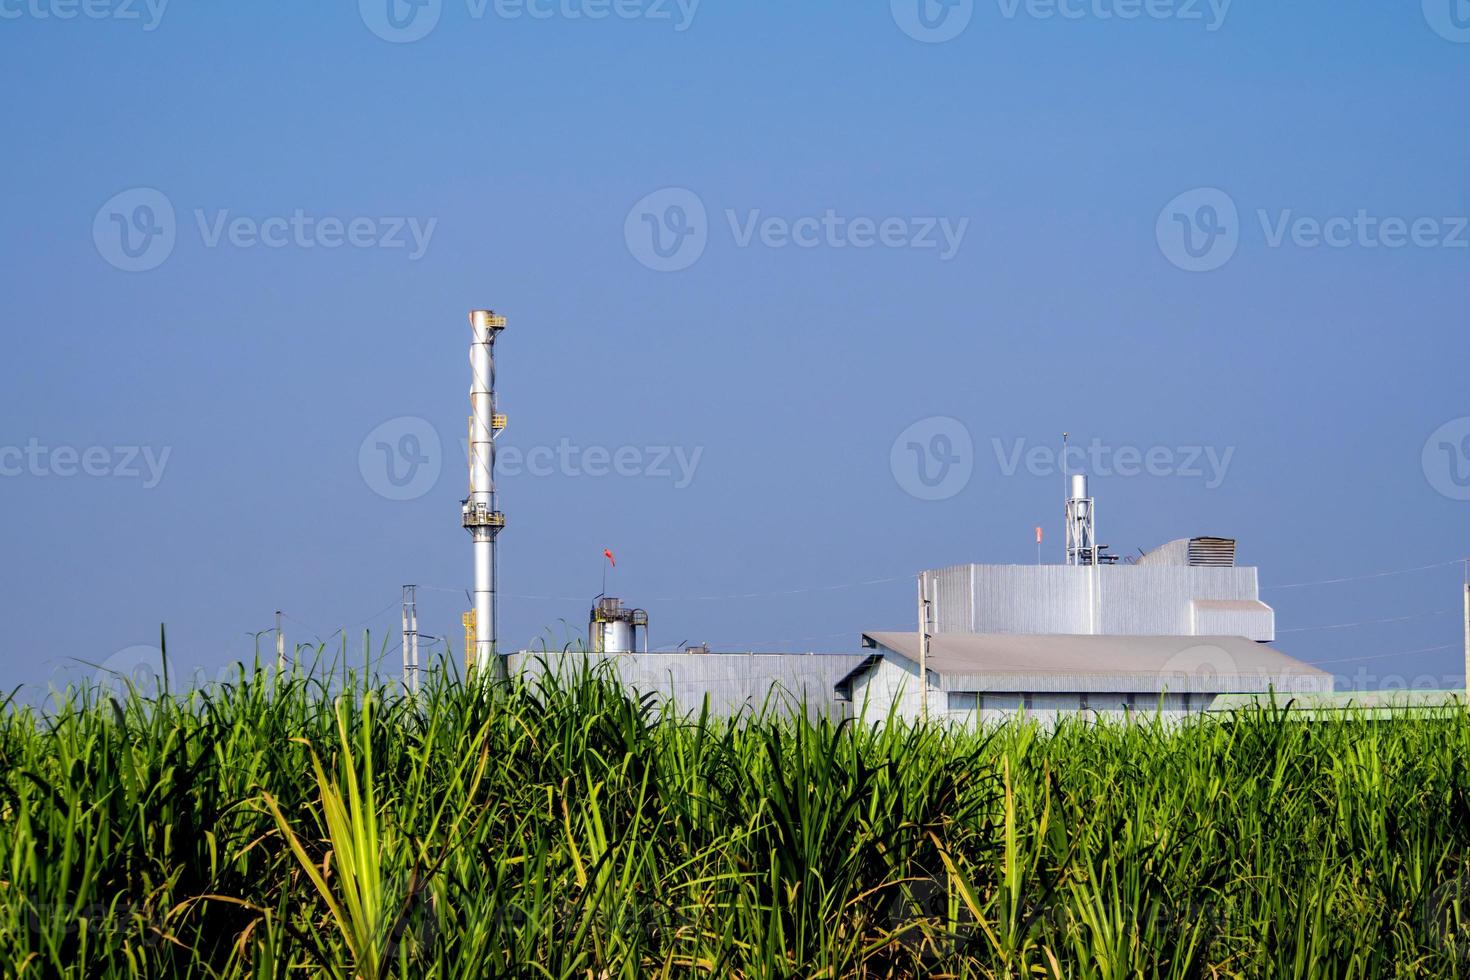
989 677
1165 633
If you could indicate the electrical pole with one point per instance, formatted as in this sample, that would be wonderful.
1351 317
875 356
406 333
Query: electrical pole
923 647
1467 631
280 644
410 639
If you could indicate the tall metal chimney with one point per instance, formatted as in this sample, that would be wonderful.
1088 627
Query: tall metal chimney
480 516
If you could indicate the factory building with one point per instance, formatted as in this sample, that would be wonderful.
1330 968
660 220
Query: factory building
1167 631
1164 633
992 677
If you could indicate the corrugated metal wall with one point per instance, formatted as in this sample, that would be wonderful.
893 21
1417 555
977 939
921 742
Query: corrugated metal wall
1257 622
1125 600
732 681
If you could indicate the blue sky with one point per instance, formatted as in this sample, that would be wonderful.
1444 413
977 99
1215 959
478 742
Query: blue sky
1186 232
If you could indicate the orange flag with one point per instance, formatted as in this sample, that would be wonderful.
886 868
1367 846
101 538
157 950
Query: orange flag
606 552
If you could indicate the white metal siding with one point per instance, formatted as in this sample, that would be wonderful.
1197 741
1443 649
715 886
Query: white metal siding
1129 600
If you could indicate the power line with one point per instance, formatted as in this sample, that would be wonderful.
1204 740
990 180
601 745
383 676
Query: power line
1368 622
1380 656
1362 578
702 598
342 629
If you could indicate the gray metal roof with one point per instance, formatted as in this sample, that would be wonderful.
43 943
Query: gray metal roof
731 681
1086 663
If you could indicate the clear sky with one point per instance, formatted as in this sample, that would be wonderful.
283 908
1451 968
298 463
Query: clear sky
750 253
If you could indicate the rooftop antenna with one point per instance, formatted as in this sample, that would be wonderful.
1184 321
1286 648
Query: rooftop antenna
1066 494
478 511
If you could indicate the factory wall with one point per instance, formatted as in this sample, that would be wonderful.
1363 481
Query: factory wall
731 681
1125 600
892 685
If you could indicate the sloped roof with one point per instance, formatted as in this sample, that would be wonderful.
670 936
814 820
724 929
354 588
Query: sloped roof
1232 605
1037 662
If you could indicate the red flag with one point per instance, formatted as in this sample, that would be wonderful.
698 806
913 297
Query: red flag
608 554
1038 535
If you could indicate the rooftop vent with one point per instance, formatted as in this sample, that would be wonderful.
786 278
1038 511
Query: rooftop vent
1212 552
1198 552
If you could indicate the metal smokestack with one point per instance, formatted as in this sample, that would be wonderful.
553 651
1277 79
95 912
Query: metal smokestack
480 516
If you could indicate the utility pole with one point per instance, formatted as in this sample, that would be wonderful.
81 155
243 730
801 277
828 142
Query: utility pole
923 646
1467 630
280 644
410 639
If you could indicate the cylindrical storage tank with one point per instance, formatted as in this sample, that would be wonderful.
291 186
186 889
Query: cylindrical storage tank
613 629
1079 486
617 636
